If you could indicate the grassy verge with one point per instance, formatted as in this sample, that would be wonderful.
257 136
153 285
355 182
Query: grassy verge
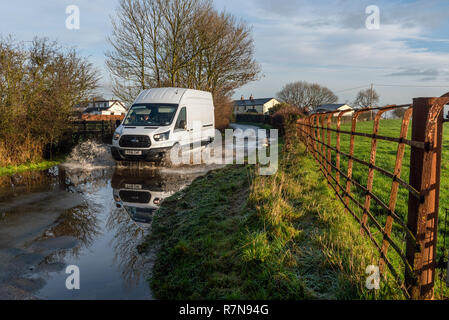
235 235
43 165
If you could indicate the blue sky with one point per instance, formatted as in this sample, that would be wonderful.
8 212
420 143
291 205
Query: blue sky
323 41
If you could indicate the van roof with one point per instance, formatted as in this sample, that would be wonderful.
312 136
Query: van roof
169 95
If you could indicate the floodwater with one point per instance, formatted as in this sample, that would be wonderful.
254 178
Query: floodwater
92 218
86 213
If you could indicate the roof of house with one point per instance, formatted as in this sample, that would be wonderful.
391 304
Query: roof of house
253 102
102 101
102 108
330 107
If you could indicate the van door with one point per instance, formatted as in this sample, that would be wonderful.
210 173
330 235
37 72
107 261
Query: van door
208 132
180 132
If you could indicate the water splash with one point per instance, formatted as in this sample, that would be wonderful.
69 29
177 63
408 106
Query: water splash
89 155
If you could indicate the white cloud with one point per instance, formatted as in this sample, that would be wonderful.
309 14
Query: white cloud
330 45
322 41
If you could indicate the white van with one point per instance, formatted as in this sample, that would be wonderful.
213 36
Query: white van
161 118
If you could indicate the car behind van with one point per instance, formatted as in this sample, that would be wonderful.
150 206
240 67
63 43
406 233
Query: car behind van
162 118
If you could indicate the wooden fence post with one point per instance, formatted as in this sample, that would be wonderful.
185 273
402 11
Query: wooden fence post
423 213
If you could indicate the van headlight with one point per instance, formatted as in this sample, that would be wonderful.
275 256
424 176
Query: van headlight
162 136
116 136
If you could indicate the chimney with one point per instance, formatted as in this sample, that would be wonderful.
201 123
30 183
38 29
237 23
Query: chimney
242 98
251 98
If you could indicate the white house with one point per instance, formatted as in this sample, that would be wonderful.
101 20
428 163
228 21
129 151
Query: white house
106 107
252 105
334 107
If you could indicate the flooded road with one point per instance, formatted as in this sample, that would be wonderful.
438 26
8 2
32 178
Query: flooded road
93 219
86 213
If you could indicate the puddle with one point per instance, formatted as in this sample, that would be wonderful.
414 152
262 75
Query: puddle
91 218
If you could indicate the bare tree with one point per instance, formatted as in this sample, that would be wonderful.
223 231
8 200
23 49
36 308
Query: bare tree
399 112
179 43
229 61
180 19
149 44
367 99
306 96
128 61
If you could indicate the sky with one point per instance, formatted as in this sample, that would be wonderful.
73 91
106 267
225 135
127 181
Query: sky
319 41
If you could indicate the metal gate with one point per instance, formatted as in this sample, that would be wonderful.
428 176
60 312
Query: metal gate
416 278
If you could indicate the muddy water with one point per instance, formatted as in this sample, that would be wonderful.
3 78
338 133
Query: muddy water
92 218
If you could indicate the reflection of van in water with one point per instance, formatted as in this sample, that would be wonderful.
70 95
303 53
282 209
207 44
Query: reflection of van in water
141 193
138 198
161 118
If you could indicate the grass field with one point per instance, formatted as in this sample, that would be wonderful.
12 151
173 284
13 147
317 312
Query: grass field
386 157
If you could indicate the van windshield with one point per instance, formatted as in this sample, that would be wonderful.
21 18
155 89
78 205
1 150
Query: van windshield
151 115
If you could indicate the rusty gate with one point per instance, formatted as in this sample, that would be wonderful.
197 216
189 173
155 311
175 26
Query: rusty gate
420 228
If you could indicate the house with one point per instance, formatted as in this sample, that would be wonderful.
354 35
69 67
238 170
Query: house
334 107
106 107
261 106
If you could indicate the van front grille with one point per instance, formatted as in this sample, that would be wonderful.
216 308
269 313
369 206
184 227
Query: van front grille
133 141
135 196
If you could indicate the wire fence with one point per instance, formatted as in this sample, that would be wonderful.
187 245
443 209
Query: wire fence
408 252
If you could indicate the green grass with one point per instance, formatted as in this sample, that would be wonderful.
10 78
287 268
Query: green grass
235 235
43 165
386 156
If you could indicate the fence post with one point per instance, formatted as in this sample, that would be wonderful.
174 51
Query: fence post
423 213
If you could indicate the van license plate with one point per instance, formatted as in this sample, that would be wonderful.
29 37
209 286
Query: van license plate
133 186
133 152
